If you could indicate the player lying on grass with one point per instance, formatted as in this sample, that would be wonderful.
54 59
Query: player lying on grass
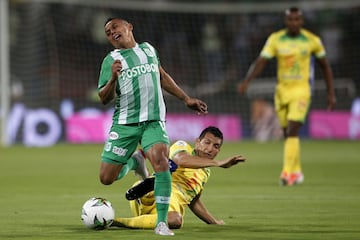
193 171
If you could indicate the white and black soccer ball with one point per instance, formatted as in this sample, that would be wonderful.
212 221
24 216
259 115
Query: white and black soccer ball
97 213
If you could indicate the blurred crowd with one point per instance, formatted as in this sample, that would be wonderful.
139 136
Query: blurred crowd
57 49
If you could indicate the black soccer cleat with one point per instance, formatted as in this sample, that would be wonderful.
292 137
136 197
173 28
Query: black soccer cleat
139 190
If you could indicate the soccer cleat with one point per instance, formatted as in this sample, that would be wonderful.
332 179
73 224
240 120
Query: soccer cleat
300 178
284 178
295 178
139 190
141 170
163 229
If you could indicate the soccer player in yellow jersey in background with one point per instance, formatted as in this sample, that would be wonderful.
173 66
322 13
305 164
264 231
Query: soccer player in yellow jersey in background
293 48
188 182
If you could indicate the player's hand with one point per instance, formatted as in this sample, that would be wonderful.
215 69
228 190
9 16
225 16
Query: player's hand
229 162
242 87
331 101
116 68
197 105
219 222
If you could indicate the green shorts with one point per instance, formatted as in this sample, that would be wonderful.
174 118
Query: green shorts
124 139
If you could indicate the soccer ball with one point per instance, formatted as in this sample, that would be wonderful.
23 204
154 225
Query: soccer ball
97 213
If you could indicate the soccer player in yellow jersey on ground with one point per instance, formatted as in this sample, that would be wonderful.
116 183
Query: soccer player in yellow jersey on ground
188 180
293 48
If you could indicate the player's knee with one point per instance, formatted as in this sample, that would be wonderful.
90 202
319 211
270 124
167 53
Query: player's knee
109 173
175 220
106 180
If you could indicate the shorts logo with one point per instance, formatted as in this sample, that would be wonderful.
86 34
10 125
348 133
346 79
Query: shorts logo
113 135
119 151
107 146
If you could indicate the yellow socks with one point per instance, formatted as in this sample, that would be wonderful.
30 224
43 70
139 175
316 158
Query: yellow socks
297 163
147 221
292 155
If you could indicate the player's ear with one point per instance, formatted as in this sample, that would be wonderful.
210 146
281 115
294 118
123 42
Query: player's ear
131 27
197 142
302 21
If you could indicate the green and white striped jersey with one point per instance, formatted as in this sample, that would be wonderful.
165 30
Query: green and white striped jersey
139 95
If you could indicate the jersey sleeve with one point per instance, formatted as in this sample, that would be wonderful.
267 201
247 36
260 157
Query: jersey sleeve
319 49
180 146
154 50
105 71
269 49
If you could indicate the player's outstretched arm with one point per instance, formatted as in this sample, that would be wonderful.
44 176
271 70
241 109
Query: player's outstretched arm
168 83
229 162
199 209
185 160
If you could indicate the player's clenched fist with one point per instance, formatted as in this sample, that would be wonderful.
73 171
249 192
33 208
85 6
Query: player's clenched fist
116 68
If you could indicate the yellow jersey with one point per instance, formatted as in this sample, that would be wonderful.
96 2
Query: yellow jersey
294 55
189 182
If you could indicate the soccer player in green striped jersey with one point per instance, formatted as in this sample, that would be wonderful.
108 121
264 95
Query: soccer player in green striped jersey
132 75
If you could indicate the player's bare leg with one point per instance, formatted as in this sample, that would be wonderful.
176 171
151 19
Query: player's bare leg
109 172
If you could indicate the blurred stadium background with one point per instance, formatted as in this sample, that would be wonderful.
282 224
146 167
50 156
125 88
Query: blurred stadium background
52 50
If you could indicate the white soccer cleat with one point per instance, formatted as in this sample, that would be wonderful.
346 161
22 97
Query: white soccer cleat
163 229
141 170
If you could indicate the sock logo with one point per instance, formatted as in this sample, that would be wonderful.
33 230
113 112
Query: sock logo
162 199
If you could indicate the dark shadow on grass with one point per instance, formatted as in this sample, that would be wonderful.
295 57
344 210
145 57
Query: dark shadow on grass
198 231
301 229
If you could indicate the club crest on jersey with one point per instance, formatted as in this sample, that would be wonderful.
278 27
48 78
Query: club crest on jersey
148 52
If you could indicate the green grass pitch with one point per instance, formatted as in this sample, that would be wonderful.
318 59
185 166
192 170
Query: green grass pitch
42 191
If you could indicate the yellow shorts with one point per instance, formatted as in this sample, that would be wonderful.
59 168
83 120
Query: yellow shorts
292 102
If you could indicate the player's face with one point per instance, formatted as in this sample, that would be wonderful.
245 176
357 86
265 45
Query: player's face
119 33
294 21
208 147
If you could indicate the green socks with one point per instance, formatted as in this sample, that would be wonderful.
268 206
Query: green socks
130 165
162 194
